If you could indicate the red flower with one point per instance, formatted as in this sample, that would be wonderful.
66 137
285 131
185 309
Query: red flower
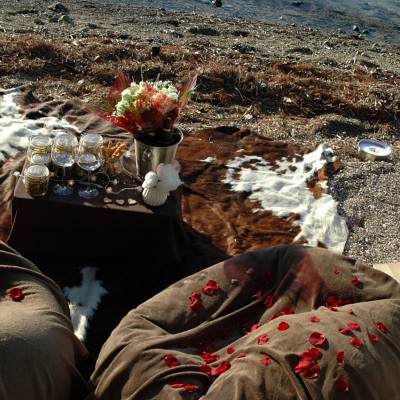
353 326
210 288
16 294
265 361
263 339
230 350
381 326
283 326
314 319
171 361
340 358
317 339
356 342
342 385
373 338
195 303
224 366
355 281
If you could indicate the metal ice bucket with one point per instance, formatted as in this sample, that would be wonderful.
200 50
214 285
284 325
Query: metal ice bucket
149 157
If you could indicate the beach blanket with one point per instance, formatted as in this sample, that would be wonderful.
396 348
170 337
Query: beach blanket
242 191
287 322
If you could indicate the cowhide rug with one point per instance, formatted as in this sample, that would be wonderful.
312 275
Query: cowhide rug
241 192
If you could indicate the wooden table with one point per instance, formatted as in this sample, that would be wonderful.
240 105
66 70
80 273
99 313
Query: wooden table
72 227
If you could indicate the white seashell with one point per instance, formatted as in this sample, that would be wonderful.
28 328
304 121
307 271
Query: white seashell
153 197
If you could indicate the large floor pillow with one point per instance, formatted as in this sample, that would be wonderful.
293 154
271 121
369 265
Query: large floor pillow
287 322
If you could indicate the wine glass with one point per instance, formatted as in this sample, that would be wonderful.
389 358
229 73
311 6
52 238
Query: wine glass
63 156
89 159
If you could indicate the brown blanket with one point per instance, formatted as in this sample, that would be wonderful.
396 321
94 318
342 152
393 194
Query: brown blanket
288 322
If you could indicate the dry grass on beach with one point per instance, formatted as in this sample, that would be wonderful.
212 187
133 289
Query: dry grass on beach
281 99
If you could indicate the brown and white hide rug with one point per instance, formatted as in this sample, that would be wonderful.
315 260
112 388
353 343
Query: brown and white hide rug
241 192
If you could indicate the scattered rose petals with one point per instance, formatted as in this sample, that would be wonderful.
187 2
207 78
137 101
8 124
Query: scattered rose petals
16 294
241 355
356 342
381 326
254 327
373 338
205 368
355 281
307 362
171 361
287 311
340 358
351 312
265 361
317 339
230 350
342 385
263 339
195 303
336 271
353 326
224 366
283 326
249 270
210 288
314 319
314 353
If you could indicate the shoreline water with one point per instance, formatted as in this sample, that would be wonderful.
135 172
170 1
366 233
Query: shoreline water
374 20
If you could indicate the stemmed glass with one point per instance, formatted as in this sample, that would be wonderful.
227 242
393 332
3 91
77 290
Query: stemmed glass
63 155
89 159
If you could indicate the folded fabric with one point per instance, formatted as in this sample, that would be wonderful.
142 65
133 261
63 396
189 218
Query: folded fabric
288 322
40 355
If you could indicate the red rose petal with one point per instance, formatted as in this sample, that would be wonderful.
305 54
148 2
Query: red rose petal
171 361
345 331
268 300
381 326
283 326
230 350
265 361
254 327
205 369
314 319
336 271
209 357
304 364
263 339
317 339
355 281
314 353
356 342
342 385
16 294
340 358
373 338
312 372
351 312
249 270
287 311
210 288
195 303
189 388
241 355
353 326
224 366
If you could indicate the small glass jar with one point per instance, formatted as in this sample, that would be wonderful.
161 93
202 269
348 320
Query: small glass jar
36 180
113 166
39 150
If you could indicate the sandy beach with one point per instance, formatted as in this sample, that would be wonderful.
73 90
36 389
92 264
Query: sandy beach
284 82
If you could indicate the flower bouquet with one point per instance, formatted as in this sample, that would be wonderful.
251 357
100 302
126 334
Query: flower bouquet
148 110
